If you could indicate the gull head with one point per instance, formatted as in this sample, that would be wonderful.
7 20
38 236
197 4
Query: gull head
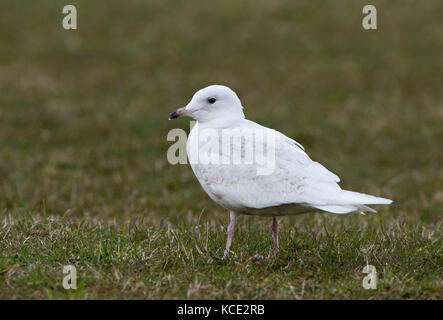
213 102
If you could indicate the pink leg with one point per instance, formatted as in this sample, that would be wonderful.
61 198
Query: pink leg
231 229
274 228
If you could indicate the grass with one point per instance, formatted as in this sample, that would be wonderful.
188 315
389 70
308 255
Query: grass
319 259
84 178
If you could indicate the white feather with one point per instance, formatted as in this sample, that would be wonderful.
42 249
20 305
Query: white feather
296 185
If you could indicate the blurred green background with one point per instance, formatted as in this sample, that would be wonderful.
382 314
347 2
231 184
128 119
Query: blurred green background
83 113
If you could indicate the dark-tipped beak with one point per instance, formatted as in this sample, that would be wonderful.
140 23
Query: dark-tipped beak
174 115
178 113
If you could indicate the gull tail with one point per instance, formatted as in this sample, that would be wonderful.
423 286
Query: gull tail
348 201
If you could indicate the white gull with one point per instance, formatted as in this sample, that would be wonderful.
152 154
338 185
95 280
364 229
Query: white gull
289 183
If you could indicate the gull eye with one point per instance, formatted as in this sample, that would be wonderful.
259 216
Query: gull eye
211 100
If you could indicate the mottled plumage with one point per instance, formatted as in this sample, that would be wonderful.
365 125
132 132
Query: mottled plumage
295 185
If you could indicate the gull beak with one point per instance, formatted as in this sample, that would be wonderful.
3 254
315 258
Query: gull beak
178 113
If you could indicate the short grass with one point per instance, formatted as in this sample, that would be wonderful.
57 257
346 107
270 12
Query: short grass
321 258
84 178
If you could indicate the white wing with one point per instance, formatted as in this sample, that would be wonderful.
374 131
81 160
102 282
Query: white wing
296 179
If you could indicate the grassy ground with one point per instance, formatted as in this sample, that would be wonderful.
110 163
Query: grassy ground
83 173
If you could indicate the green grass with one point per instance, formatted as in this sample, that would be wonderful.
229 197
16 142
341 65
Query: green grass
321 257
84 178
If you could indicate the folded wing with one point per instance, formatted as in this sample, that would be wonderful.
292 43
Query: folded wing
295 179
